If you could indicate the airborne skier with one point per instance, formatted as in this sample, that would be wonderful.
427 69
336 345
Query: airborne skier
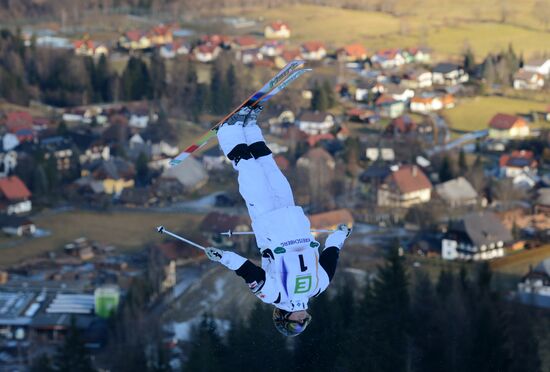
292 270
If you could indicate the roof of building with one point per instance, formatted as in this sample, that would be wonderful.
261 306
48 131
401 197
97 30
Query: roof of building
317 153
456 190
246 41
505 121
313 46
278 25
175 250
445 68
518 159
314 116
402 124
536 62
217 222
523 74
355 50
327 220
483 228
13 188
409 178
191 173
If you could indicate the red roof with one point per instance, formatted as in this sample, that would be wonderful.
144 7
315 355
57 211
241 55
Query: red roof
174 250
246 41
134 35
290 55
282 162
88 44
205 49
327 220
512 159
356 51
312 140
216 39
402 124
278 26
313 46
18 118
13 188
385 99
409 179
506 121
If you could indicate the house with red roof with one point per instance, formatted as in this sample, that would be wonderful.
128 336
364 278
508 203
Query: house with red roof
518 162
401 125
287 56
134 40
313 50
206 53
388 58
506 126
389 107
406 186
223 41
530 80
330 220
245 42
352 53
272 48
315 122
277 30
161 35
90 48
14 196
20 123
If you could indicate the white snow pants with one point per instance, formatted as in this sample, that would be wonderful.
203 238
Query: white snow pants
261 183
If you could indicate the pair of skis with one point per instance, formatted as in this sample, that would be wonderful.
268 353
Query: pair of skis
287 75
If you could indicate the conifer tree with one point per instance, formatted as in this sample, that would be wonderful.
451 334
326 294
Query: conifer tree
207 350
72 355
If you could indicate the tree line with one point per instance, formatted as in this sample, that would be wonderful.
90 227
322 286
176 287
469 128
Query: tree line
397 324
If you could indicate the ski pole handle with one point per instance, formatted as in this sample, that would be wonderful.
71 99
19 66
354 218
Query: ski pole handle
162 230
230 233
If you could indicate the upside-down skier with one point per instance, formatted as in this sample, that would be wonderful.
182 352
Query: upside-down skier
292 269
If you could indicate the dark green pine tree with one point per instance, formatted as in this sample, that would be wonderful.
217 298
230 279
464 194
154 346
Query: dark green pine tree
220 99
158 76
523 345
489 71
365 334
135 83
208 352
469 61
40 185
329 92
391 315
42 364
462 163
72 355
102 80
446 172
201 101
319 101
142 169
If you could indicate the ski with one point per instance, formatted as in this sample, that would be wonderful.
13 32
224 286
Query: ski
280 81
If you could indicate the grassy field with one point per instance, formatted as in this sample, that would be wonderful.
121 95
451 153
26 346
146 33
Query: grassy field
125 230
474 114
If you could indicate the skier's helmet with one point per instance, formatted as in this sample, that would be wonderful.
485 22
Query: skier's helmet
288 327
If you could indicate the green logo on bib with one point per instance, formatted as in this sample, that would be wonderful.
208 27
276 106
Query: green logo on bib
279 250
313 244
303 284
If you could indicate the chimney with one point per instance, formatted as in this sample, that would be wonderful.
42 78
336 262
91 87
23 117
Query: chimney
414 170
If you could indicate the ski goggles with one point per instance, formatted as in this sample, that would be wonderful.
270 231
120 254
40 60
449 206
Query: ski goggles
297 326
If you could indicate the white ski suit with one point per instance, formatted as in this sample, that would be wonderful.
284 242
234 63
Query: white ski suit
292 269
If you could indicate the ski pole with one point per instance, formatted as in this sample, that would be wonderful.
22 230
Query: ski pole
231 233
162 230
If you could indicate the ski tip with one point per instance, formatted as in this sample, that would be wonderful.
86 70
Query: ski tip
160 229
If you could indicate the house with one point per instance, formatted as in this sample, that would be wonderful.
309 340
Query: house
176 48
405 186
388 58
160 35
287 56
14 196
271 48
361 115
214 159
223 41
477 236
417 55
399 92
8 162
61 149
389 107
113 175
449 74
171 254
534 288
331 220
245 42
191 174
505 126
539 66
89 48
134 40
518 162
401 125
426 103
314 156
90 146
352 53
457 192
215 223
315 122
277 30
313 50
137 197
524 79
15 225
416 79
20 124
206 53
249 56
